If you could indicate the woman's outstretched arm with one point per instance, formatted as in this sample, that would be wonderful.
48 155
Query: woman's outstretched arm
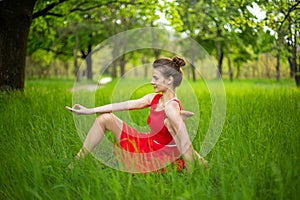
114 107
180 135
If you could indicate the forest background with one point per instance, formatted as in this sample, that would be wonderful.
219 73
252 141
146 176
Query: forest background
246 39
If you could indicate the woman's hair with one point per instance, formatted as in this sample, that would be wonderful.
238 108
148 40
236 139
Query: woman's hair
170 67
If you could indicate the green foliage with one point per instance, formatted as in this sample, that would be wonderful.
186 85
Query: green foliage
228 24
72 28
282 21
43 57
256 156
265 42
94 21
213 23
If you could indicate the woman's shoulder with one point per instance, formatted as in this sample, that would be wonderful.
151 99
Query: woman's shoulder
173 105
172 109
154 98
151 97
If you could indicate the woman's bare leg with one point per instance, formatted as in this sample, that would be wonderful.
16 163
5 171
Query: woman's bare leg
106 121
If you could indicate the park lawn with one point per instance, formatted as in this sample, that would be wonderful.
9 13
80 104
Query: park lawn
256 156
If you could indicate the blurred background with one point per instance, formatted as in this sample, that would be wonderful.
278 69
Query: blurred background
52 39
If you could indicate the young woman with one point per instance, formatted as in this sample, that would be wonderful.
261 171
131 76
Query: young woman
168 139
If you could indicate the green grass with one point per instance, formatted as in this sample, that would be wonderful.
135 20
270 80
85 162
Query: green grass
256 156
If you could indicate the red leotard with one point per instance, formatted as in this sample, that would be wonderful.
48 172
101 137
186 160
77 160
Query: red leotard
143 152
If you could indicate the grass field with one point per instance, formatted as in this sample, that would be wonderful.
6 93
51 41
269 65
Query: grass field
256 156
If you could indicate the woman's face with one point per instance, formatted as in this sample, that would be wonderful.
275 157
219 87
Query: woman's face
158 81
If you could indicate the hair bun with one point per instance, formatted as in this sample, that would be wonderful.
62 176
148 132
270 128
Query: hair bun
179 62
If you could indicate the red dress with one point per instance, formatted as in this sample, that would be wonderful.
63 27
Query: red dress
148 152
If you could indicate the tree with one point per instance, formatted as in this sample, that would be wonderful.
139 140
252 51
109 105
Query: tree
120 17
283 19
216 25
15 17
184 16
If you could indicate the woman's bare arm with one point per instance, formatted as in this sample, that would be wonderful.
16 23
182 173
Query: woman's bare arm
180 134
114 107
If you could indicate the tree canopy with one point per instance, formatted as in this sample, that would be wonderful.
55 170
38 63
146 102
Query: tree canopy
237 31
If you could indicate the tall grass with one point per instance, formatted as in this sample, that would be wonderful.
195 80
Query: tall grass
256 156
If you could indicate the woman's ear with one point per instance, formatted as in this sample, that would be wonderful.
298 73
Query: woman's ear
170 80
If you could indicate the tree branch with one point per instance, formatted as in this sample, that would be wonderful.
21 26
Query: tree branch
45 11
78 7
55 14
294 7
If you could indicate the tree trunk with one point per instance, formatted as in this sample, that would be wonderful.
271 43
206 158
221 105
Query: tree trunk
193 56
220 55
114 70
297 77
294 62
115 54
156 53
229 61
122 65
193 73
268 74
292 70
15 21
56 70
144 61
188 72
66 66
230 70
238 71
76 67
278 66
122 59
88 61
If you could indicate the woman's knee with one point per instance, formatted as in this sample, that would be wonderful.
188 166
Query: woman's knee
109 121
104 118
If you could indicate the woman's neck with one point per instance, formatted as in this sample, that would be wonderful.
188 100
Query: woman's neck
167 95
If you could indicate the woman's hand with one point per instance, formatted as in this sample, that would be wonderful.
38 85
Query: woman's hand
185 114
80 110
201 160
